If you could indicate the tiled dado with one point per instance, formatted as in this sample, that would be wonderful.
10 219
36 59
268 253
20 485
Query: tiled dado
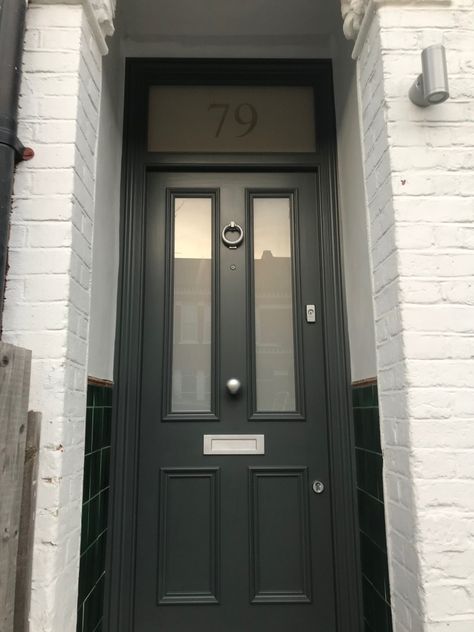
373 544
94 508
377 611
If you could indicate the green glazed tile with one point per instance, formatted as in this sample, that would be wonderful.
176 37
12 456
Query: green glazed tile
84 577
94 519
376 394
85 527
372 519
108 396
369 473
91 612
93 607
375 566
98 429
100 396
79 624
101 551
98 628
90 395
376 611
367 429
105 468
89 424
364 396
104 510
95 508
95 473
107 427
86 482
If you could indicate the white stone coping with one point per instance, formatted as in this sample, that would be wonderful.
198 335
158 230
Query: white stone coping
358 16
100 14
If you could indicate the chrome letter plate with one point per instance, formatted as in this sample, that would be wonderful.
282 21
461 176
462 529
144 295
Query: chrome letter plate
234 444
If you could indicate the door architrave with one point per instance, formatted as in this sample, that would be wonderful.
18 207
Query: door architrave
136 161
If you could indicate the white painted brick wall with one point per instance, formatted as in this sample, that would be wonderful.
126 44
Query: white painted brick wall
420 182
420 189
48 296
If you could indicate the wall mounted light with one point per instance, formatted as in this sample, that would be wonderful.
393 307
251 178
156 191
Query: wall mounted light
431 87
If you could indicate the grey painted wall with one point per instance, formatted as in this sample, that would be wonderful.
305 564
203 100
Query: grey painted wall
359 302
105 253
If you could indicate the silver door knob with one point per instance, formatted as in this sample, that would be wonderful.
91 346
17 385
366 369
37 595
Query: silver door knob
318 487
233 386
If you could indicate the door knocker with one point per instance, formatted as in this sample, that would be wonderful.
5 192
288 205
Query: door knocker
233 228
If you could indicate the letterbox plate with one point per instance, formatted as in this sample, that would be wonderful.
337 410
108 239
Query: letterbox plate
234 444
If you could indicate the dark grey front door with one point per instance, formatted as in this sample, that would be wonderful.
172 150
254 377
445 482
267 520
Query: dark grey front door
233 529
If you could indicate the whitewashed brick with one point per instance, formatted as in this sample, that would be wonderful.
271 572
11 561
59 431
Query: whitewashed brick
51 287
423 346
16 289
420 184
459 291
41 318
420 291
50 61
425 371
40 16
449 209
45 307
41 208
437 264
24 262
50 235
17 236
61 39
58 107
61 155
57 182
56 84
51 344
55 132
446 318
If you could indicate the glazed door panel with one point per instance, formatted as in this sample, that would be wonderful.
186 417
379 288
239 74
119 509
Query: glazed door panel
231 536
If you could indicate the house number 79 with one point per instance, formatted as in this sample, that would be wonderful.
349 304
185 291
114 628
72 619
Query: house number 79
244 114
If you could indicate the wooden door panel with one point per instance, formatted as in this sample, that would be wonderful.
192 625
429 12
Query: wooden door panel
280 555
189 550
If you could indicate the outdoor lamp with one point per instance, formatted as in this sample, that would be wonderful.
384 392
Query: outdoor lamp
431 87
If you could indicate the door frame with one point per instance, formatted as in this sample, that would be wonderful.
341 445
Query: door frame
136 161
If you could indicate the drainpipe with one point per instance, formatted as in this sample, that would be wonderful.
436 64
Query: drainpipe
12 29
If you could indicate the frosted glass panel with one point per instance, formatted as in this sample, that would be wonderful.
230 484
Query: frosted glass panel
231 119
192 305
274 336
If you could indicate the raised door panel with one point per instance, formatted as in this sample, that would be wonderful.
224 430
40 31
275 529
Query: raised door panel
189 560
280 556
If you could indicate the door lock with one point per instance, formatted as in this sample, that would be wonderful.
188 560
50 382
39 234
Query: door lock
310 313
318 487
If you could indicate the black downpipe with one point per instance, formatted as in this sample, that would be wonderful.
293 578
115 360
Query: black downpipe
12 30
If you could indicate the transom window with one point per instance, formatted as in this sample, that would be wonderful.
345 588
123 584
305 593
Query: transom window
247 119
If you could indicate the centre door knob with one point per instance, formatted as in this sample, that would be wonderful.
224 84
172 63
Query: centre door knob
233 386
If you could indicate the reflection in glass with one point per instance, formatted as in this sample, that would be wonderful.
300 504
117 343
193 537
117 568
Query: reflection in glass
192 299
274 337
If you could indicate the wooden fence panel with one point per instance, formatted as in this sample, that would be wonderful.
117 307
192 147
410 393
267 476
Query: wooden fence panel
27 524
15 367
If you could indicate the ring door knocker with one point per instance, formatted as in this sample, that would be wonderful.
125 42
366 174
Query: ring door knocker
233 228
